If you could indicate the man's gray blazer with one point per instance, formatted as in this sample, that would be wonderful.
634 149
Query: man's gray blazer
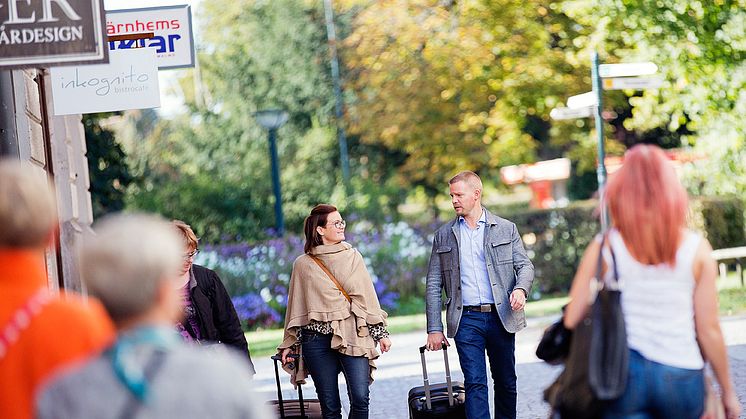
508 268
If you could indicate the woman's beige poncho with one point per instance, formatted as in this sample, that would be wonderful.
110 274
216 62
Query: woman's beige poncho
313 296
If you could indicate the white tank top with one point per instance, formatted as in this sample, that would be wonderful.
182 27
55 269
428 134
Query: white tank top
658 303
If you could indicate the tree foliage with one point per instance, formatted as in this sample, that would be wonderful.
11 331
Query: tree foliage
107 166
212 167
700 48
457 85
431 87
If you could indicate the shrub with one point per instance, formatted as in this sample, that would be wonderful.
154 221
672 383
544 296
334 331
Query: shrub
555 240
721 219
258 274
397 254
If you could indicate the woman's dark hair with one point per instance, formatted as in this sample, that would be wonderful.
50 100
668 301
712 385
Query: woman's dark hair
317 218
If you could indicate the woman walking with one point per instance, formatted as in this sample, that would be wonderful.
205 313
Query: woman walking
333 318
669 299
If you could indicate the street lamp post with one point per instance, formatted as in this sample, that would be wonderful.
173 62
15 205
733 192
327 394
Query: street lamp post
598 113
272 120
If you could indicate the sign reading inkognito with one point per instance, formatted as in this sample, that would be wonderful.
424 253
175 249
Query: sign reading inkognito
48 32
129 81
171 26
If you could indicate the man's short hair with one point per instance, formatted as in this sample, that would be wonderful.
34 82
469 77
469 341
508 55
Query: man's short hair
28 213
471 178
127 260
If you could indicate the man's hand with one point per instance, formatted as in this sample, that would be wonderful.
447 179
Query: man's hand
435 341
384 344
517 299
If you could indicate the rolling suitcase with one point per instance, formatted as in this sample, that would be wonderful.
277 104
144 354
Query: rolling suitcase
442 400
293 409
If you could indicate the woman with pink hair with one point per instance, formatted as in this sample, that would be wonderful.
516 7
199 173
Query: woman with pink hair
669 299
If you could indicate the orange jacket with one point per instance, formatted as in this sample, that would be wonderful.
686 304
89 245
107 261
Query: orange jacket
64 331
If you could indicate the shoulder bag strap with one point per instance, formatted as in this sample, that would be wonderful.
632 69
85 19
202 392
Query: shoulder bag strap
153 366
606 241
331 276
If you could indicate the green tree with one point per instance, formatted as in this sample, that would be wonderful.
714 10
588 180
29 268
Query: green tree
107 166
699 47
268 54
455 85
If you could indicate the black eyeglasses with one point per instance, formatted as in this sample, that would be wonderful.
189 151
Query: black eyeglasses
190 254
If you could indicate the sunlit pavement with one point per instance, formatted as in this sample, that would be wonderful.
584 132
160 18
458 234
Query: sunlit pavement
400 369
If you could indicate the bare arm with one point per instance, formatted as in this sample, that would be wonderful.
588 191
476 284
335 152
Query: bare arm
707 324
580 290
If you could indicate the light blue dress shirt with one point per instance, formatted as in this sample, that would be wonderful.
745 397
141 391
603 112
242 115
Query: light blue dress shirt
475 282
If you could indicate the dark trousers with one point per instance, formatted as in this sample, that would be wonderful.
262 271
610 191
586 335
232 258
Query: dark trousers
477 333
325 364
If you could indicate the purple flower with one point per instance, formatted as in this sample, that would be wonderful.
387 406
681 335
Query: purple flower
252 309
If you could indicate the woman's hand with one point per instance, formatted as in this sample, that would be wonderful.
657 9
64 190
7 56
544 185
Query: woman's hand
384 344
285 352
732 405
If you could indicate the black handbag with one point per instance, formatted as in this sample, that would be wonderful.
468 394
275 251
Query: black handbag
555 343
596 367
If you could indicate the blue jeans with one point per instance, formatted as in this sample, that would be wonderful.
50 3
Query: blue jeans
478 332
325 364
659 391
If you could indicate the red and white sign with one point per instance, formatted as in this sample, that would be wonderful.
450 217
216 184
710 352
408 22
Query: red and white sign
171 25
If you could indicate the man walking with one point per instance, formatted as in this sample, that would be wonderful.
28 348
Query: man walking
480 261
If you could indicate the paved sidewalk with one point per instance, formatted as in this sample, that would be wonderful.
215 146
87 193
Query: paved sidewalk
400 369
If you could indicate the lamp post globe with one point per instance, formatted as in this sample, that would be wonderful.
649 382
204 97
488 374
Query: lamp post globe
271 119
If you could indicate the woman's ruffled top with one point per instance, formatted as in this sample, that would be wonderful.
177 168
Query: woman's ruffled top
314 297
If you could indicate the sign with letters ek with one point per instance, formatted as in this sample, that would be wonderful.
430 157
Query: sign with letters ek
172 28
37 33
129 81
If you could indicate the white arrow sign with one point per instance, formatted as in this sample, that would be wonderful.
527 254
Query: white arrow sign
627 69
568 113
582 101
636 83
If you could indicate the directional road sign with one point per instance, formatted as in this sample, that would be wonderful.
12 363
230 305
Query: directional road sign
569 113
636 83
582 100
627 69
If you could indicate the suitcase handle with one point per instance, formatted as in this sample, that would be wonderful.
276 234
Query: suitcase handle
426 380
295 357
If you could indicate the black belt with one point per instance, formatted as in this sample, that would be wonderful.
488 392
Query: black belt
484 308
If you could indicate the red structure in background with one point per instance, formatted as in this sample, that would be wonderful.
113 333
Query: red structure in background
548 179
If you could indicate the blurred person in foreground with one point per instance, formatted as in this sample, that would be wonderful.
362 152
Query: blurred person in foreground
132 265
39 332
669 299
333 334
209 314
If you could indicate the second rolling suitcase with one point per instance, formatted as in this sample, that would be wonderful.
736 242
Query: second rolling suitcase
442 400
294 409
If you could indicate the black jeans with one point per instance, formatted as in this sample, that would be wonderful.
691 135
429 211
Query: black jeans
325 364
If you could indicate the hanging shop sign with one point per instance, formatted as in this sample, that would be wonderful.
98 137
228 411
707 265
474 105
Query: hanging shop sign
36 33
171 26
129 81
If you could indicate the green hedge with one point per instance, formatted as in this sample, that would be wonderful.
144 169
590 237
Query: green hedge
556 238
722 220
